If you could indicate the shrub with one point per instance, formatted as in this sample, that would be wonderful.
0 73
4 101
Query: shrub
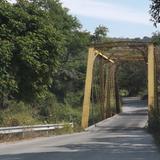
48 110
52 111
17 114
154 120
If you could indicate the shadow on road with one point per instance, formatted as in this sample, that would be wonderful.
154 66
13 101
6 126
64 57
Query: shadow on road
120 146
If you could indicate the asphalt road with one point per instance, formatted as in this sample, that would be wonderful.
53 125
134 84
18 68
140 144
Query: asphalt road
122 137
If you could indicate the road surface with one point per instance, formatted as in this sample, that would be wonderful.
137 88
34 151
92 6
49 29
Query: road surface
122 137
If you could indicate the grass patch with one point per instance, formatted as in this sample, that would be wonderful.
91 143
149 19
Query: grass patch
49 111
154 125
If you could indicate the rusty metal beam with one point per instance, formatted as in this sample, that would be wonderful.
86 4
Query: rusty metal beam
128 58
114 44
104 56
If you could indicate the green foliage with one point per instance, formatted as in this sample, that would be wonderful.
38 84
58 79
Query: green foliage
75 99
123 93
67 24
94 114
48 111
154 120
100 34
65 113
18 114
31 51
52 111
132 77
155 11
35 37
70 76
7 79
42 63
156 38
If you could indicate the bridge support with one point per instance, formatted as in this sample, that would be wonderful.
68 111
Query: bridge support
111 85
151 78
88 85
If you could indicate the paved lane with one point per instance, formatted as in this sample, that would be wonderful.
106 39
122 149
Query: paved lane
122 137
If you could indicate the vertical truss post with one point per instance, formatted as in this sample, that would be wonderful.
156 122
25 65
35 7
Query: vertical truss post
108 92
151 78
88 85
118 105
113 89
112 100
102 88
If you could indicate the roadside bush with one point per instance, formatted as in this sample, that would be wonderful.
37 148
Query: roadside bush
74 98
123 93
52 111
154 121
48 110
17 114
67 113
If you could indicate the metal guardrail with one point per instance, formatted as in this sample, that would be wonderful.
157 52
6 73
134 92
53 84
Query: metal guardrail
32 128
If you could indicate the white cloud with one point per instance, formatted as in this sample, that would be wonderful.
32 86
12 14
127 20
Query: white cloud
106 11
12 1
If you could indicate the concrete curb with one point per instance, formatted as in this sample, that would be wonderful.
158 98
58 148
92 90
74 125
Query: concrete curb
101 122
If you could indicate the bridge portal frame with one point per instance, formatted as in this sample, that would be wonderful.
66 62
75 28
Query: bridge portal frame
147 54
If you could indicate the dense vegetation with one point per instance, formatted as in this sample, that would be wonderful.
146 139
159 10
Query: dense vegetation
40 43
155 11
132 78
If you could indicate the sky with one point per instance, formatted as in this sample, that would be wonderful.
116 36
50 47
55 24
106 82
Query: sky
123 18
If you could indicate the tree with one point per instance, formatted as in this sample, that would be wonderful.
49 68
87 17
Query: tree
61 20
41 45
100 34
70 77
8 83
155 11
32 47
132 77
156 38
